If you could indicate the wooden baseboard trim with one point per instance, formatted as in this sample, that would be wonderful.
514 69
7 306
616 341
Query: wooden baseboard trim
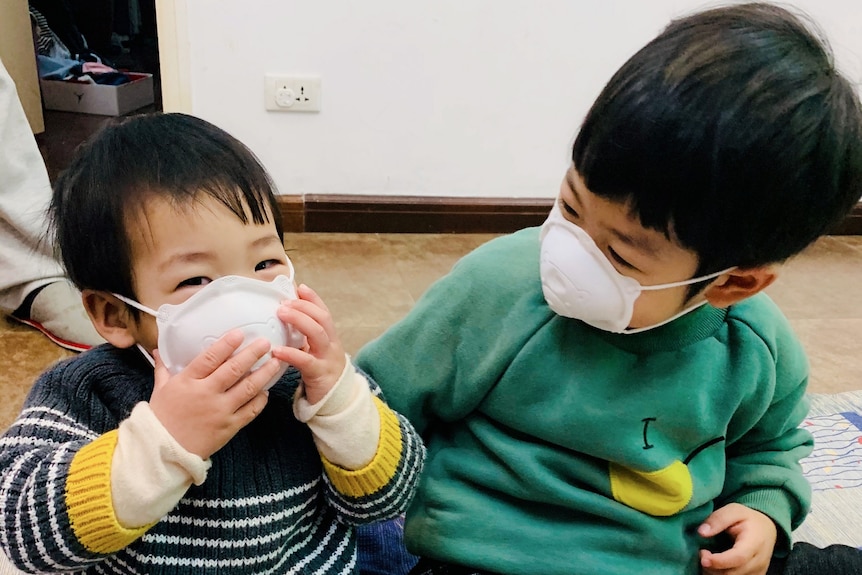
292 210
852 223
410 214
417 214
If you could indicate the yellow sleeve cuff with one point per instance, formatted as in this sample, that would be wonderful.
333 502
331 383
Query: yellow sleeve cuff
380 471
89 502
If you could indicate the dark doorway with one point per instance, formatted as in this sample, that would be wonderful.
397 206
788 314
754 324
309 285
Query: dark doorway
121 34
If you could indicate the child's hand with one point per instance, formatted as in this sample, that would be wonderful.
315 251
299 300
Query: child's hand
322 361
753 533
210 400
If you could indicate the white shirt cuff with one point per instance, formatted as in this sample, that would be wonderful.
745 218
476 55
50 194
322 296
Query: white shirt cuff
345 423
150 470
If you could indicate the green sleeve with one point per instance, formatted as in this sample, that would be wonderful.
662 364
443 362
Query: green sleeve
439 362
763 455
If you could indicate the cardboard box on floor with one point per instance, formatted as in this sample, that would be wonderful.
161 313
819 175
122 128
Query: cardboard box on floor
86 98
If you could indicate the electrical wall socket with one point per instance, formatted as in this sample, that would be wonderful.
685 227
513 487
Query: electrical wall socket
285 93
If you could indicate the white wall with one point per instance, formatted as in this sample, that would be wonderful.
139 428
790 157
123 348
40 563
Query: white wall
441 98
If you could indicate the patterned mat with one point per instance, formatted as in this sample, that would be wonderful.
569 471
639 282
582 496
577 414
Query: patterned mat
834 470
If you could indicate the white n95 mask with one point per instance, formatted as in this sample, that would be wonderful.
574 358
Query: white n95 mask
579 282
227 303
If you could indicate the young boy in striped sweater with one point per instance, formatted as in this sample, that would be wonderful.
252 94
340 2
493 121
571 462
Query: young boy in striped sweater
121 462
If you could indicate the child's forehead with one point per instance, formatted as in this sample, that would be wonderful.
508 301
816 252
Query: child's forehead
190 206
153 219
626 214
624 206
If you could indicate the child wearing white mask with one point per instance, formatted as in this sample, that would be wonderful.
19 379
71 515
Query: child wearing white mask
611 393
230 433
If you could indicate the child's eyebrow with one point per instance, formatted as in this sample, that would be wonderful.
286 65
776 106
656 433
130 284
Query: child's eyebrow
185 258
639 242
570 180
266 240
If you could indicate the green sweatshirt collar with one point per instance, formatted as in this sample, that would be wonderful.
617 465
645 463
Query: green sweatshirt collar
690 328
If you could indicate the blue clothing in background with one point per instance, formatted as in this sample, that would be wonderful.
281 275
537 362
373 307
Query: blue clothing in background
57 68
380 549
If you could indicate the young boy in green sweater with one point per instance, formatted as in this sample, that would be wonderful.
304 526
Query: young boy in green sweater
229 434
611 393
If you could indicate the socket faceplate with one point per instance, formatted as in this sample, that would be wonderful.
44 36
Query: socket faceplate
287 93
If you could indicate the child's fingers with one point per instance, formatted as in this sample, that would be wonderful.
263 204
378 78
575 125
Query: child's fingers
248 389
306 293
298 358
215 355
706 563
730 559
252 408
289 355
721 520
161 374
160 370
313 322
319 314
234 368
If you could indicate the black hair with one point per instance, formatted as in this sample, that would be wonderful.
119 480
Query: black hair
733 130
175 156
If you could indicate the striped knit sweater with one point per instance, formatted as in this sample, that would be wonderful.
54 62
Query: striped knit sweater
270 502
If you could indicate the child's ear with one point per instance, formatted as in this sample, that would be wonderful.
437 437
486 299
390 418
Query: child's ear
738 284
110 317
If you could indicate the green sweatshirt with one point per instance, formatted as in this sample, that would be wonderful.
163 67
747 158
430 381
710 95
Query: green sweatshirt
557 448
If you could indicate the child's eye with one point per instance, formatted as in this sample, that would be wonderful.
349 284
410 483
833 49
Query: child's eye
195 281
619 259
265 264
569 210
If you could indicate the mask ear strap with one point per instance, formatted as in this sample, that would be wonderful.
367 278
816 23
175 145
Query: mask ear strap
665 322
135 304
292 271
146 354
688 282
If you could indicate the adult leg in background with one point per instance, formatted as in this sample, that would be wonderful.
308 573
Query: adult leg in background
33 287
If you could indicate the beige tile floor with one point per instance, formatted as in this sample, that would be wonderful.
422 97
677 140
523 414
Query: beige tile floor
371 280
